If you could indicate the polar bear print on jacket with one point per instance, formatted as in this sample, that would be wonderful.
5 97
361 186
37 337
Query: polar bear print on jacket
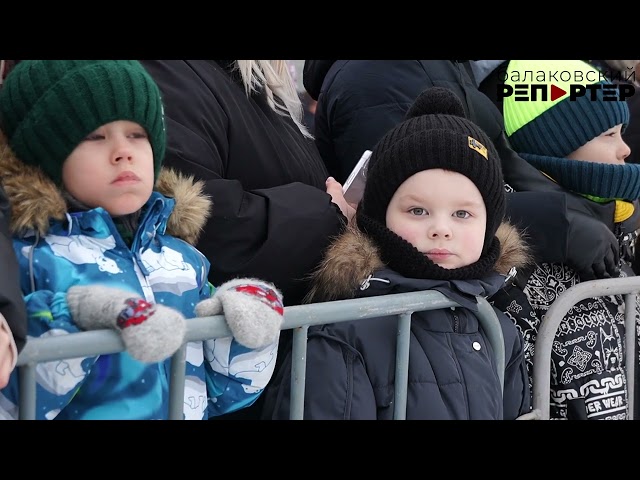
168 272
80 249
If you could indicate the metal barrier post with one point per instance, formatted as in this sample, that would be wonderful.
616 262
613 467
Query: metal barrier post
176 383
402 367
298 372
552 320
631 348
27 388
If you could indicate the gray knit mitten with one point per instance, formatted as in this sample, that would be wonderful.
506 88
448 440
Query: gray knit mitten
253 310
150 332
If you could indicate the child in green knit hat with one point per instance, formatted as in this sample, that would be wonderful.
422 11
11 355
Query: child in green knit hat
104 239
575 141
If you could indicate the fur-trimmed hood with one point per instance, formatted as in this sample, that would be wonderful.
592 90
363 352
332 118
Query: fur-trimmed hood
35 199
352 257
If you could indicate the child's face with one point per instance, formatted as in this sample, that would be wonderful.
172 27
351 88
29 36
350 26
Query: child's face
608 147
442 214
112 168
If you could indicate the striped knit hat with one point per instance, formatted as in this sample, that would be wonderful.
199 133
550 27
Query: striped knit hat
545 131
559 127
47 107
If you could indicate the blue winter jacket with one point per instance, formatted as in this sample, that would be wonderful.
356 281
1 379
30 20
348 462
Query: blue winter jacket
85 248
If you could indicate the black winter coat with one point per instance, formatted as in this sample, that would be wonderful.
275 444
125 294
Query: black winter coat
11 302
272 217
452 374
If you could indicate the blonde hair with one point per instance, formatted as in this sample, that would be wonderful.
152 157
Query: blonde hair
275 77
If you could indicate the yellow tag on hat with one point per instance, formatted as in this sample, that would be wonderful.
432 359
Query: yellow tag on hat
478 147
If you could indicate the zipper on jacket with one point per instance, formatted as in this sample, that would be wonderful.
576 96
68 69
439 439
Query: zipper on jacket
456 320
511 275
144 283
626 242
366 283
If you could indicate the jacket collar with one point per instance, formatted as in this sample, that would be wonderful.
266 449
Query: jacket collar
36 201
353 258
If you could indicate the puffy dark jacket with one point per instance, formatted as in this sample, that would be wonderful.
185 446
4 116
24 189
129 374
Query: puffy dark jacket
12 305
452 374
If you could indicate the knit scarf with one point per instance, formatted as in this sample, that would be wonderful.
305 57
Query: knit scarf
603 180
402 257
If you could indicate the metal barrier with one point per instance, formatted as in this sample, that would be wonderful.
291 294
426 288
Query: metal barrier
630 287
299 318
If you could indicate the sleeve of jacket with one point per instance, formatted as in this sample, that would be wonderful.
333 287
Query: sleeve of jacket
337 386
233 373
56 381
277 234
517 392
236 375
12 305
536 214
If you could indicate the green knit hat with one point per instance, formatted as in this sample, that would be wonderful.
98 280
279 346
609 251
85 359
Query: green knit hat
47 107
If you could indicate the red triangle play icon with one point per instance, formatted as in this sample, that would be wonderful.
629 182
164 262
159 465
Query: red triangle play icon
556 92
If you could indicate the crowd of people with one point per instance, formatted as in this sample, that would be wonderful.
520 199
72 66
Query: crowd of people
139 194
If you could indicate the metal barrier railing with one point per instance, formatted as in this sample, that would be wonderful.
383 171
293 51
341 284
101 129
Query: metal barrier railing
630 287
401 305
299 318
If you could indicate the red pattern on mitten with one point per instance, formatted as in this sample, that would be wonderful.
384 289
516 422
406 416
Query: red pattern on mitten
149 331
136 312
263 293
252 308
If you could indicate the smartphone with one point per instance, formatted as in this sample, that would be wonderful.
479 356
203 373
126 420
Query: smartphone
353 187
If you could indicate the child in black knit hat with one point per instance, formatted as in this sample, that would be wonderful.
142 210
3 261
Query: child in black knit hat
431 218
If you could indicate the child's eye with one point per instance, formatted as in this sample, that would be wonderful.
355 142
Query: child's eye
418 211
94 136
141 134
461 214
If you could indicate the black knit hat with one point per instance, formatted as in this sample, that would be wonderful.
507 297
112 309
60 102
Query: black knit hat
435 134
